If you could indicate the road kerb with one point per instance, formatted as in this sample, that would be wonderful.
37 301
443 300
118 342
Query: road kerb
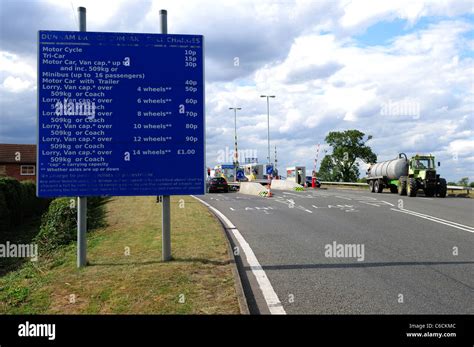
271 298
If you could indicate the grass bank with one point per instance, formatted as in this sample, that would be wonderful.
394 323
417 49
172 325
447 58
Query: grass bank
126 274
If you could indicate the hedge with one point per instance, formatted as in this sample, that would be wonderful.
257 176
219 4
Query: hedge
59 223
18 202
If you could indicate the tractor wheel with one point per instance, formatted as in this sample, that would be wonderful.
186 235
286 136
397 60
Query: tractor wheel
402 188
371 186
378 186
412 187
442 188
393 189
429 192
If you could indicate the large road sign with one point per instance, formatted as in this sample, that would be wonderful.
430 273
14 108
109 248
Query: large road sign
120 114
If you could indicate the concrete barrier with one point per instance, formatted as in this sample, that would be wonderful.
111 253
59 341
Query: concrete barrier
285 185
252 188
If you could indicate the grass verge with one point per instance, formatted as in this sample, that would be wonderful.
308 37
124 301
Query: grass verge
126 275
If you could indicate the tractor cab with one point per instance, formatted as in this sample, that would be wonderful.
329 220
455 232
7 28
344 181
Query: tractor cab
423 167
422 175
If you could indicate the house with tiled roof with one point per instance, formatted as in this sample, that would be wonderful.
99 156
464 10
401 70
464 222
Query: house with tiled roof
18 161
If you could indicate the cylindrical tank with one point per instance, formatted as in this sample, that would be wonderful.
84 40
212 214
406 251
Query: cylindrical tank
392 169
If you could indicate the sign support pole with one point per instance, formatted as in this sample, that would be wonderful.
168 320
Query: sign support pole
82 200
166 204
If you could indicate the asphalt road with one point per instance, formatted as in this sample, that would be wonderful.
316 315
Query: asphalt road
417 255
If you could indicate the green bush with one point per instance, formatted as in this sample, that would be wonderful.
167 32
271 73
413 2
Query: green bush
59 223
11 189
18 202
5 221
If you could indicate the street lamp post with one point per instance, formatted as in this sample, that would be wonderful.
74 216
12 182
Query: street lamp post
236 153
268 121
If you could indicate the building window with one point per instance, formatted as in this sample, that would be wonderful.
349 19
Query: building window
27 170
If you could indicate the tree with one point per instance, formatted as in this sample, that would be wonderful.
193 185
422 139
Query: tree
328 171
464 181
347 147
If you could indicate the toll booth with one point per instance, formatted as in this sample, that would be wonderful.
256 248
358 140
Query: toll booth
296 174
224 170
254 171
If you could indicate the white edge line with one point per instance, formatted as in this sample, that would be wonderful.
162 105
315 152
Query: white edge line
438 219
431 219
271 298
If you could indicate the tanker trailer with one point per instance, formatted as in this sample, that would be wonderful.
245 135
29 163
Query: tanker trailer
407 176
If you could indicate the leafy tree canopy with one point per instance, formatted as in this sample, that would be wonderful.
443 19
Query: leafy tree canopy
347 147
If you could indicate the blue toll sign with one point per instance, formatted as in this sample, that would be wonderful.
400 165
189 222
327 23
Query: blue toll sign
240 174
120 114
269 169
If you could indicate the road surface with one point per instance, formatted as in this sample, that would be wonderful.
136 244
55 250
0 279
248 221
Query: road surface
391 254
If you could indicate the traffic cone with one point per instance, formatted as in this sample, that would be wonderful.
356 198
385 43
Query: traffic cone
270 189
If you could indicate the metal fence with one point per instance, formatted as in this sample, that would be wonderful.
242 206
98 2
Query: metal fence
357 184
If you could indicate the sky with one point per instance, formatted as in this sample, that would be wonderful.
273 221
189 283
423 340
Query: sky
401 71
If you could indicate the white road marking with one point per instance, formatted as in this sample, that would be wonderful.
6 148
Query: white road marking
305 209
437 220
343 197
314 206
387 203
271 298
231 209
297 195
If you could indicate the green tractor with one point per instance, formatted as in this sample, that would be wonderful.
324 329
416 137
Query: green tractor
407 176
422 175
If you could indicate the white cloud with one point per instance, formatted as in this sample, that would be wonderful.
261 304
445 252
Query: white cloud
17 65
15 84
360 14
461 147
19 74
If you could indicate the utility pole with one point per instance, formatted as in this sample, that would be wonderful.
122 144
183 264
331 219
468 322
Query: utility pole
166 204
276 162
82 200
236 153
268 121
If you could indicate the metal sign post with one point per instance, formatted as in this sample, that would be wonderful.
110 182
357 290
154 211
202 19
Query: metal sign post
82 200
166 205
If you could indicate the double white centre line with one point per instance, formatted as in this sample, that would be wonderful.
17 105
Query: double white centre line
436 219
